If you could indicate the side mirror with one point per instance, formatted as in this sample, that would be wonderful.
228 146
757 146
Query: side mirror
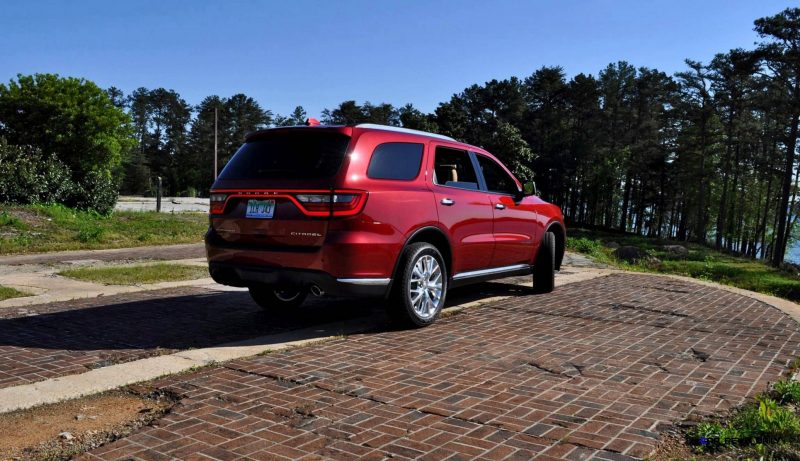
530 188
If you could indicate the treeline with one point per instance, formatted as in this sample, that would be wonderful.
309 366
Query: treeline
705 155
175 141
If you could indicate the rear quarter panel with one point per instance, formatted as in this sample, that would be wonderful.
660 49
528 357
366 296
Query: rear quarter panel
394 210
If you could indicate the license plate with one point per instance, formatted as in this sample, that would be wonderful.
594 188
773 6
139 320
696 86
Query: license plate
263 209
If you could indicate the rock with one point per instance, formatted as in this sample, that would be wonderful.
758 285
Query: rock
66 435
790 267
612 245
676 250
630 253
80 417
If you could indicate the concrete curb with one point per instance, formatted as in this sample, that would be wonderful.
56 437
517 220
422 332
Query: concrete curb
46 286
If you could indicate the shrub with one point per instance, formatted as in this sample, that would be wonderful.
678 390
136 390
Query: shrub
98 191
586 246
28 176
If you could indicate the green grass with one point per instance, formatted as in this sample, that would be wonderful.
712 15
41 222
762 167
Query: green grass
702 263
8 293
767 427
42 228
137 275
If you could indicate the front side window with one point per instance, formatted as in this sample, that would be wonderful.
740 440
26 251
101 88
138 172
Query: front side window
497 180
453 168
395 160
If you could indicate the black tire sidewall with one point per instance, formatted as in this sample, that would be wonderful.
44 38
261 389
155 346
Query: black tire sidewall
403 310
544 266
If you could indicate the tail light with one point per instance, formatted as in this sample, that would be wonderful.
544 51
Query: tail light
217 203
311 203
340 203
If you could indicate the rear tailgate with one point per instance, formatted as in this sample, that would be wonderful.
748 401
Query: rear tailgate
284 225
276 191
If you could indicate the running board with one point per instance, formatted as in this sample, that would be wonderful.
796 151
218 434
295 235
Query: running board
465 278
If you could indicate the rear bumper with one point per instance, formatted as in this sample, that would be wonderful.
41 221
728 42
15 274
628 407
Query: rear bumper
242 276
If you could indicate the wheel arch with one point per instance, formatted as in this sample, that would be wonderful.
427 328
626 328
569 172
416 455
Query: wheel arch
428 234
561 241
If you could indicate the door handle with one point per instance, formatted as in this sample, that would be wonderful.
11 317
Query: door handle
447 201
500 206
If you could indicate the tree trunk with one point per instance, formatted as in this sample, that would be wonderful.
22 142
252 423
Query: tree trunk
786 188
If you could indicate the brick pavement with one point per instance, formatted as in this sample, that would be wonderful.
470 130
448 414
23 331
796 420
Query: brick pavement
597 369
58 339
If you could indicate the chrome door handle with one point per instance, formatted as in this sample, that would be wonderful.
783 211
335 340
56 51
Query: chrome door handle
447 201
500 206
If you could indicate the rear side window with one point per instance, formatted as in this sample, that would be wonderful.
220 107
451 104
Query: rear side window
453 168
288 155
395 160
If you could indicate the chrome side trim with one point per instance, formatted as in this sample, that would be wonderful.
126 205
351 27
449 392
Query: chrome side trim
494 270
369 282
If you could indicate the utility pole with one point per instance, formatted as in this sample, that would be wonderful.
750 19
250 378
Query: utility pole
215 144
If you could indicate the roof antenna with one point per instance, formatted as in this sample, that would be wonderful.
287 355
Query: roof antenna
312 122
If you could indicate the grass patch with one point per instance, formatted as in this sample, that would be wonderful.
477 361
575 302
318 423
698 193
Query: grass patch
42 228
701 262
8 293
137 275
767 428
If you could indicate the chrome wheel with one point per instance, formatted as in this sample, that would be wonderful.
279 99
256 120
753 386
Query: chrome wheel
425 287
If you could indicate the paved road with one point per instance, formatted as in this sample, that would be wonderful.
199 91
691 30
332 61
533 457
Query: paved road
598 368
168 204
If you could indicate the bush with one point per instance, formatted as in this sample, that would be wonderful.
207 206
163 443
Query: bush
28 176
98 192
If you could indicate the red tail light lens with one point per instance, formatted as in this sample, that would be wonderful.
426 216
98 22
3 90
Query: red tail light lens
311 203
217 203
342 203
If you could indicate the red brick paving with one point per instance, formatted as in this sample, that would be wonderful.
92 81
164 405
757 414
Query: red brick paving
595 370
58 339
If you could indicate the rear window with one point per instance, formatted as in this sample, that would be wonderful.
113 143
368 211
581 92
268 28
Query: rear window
395 160
300 155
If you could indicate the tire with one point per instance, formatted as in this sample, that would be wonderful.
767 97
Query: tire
420 289
544 268
274 298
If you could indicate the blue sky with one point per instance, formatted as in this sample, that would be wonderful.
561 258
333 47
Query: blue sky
319 53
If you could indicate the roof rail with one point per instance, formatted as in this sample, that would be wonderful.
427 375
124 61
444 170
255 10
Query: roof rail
398 129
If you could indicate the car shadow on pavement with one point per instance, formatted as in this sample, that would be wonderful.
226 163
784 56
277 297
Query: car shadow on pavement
149 321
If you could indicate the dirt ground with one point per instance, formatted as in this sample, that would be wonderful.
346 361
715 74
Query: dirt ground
61 430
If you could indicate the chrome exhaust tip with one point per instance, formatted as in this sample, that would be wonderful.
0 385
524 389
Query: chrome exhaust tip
316 291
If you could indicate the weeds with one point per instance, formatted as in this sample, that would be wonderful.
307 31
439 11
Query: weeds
757 426
8 293
136 275
7 220
701 263
37 228
787 392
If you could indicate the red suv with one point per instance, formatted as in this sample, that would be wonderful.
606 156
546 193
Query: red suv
372 210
